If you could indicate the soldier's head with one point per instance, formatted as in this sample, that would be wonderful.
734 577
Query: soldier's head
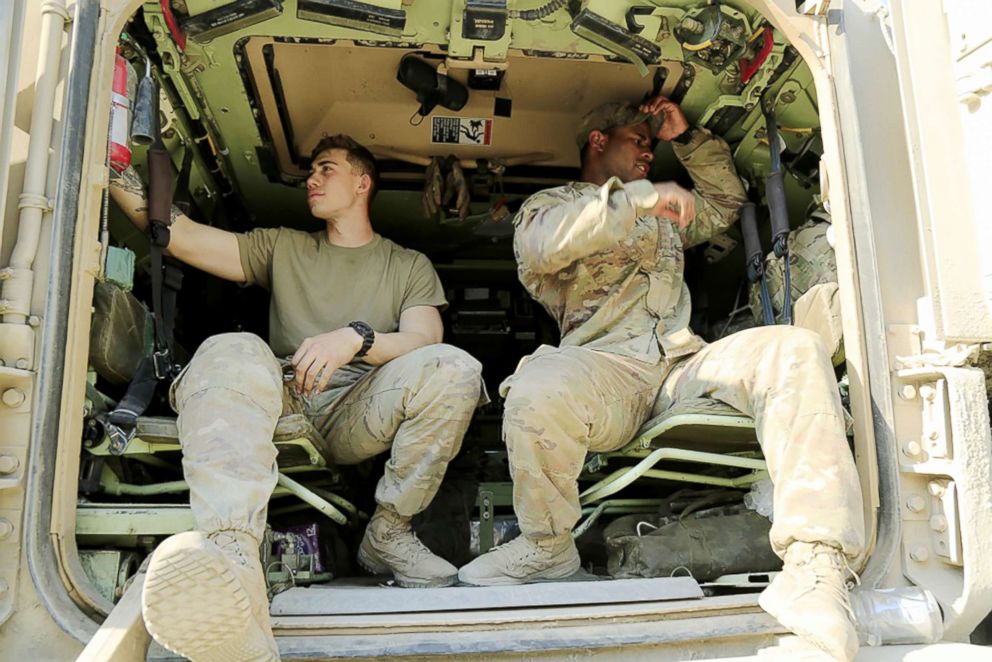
615 140
343 175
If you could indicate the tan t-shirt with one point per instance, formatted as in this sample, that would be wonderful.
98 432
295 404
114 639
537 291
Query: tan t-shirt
319 287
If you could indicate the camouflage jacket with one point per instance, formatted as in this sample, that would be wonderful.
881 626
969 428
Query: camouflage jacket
610 274
811 263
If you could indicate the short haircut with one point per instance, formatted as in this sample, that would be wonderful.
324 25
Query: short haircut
359 157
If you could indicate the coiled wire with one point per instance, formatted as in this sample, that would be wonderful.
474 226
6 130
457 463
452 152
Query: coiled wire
540 12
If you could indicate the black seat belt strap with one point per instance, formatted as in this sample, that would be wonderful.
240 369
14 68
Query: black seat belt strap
779 213
754 257
121 423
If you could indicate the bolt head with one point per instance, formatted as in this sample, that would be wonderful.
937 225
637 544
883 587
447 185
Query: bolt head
911 448
8 464
938 523
907 392
6 528
916 503
920 554
13 397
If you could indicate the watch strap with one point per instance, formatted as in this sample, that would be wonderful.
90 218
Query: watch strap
367 334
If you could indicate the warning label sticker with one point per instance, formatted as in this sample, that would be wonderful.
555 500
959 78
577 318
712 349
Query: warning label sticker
461 131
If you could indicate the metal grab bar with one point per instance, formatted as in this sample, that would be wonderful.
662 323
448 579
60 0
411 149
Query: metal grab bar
621 478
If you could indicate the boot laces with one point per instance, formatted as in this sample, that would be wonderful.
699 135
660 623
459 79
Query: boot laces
410 544
825 563
520 547
234 544
404 541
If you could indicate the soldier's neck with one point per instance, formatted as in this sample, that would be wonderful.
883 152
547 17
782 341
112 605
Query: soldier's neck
350 229
593 173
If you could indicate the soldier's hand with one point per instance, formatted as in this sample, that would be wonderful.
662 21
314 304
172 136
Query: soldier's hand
673 120
674 203
319 356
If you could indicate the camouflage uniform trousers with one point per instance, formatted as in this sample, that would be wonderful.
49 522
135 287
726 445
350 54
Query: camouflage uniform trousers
230 396
563 402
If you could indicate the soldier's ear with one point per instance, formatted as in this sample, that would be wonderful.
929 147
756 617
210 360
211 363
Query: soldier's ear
598 140
364 184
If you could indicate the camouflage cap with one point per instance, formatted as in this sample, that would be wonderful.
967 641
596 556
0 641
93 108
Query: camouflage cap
612 116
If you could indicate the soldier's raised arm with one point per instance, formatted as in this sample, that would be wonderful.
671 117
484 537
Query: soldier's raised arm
211 249
557 227
718 190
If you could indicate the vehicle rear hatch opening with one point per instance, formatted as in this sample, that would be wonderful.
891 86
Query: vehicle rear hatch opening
675 523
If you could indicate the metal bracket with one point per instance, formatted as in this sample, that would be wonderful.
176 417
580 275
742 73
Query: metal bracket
119 438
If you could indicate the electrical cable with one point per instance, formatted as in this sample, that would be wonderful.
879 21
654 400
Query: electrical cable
538 13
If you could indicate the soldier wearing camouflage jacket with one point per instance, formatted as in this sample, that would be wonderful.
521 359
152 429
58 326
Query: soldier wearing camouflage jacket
604 256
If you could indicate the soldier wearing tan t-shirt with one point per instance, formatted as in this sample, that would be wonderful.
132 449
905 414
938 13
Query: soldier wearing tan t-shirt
354 318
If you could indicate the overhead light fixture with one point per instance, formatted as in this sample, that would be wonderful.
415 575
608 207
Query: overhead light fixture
352 14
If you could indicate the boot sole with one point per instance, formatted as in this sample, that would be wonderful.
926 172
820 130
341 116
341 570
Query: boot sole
551 574
195 606
375 567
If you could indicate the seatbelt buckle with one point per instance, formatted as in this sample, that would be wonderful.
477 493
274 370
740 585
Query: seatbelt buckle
162 364
119 438
121 426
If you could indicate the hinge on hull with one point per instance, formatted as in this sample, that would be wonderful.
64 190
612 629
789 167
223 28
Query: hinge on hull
941 419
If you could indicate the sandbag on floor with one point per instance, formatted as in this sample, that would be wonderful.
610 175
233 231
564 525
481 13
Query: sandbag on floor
708 543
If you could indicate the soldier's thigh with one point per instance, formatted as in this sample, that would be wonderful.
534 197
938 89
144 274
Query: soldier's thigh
611 395
727 369
363 421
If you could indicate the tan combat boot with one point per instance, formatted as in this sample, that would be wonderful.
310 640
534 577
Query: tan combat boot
390 547
523 560
205 598
810 598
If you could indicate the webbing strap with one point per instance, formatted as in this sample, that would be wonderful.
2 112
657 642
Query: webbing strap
778 211
755 257
166 275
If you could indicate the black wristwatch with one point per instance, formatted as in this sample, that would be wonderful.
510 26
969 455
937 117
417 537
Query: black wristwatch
367 334
684 137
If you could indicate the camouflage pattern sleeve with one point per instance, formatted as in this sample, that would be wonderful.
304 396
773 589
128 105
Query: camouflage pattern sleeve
719 192
556 227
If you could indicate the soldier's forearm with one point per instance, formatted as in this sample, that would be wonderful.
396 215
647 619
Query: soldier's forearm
554 233
388 346
128 191
718 187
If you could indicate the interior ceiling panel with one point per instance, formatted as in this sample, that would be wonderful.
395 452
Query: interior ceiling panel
307 90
